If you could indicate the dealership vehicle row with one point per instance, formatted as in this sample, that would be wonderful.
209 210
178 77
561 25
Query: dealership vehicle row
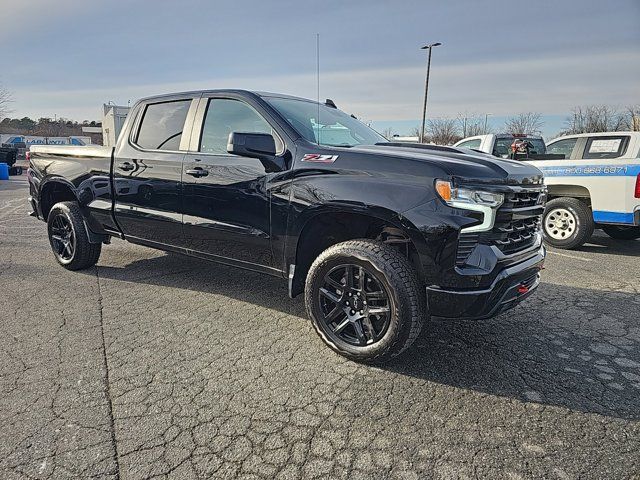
145 363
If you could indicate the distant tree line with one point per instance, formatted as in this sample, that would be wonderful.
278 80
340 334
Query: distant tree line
583 119
602 118
45 127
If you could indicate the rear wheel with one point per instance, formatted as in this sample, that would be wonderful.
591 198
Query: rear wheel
621 233
568 223
68 237
365 300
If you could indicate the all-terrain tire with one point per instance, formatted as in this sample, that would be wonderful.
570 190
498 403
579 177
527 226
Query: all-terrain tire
621 233
580 229
82 253
392 270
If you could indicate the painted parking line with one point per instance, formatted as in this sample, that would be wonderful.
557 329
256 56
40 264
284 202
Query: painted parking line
570 256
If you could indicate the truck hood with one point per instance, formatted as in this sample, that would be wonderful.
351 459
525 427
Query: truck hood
464 165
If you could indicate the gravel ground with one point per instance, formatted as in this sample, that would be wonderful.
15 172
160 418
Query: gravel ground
158 365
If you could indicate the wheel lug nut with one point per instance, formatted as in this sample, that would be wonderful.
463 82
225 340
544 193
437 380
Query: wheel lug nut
353 312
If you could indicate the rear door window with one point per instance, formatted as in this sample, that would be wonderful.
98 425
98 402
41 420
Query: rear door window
162 125
562 147
471 143
606 147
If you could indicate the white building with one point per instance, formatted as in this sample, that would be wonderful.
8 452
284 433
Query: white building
112 121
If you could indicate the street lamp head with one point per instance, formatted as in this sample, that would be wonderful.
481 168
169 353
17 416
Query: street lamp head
437 44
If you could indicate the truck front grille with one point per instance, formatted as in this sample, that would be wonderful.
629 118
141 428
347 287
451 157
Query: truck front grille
518 220
521 199
514 236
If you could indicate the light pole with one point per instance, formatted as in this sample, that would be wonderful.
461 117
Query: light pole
486 117
426 88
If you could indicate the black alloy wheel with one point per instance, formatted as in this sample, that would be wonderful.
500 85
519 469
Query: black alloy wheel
365 300
69 238
63 238
355 305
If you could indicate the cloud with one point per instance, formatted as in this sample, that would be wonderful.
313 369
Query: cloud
23 16
551 85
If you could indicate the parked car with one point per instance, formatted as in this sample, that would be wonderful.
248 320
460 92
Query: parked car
9 155
499 145
595 185
378 235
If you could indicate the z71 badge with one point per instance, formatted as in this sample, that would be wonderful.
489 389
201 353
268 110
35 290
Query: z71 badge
316 158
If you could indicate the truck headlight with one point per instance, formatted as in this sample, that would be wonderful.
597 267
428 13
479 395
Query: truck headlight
457 197
471 199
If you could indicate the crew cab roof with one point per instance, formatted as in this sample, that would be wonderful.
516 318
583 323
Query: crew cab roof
224 91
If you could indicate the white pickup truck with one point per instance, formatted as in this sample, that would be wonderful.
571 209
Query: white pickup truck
596 185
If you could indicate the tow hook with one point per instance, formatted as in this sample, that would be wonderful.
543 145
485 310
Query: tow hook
522 289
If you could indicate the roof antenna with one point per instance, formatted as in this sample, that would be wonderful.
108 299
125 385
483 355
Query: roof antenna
318 86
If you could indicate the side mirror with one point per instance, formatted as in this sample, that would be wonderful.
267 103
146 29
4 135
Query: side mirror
256 145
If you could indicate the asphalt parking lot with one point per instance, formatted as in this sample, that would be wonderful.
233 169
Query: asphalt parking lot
158 365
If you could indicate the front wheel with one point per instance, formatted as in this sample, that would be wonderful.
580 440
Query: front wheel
621 233
365 300
567 223
68 237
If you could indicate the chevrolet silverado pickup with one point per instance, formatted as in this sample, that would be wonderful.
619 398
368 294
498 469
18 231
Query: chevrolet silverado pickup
378 235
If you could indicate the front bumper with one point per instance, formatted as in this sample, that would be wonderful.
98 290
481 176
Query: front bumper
510 287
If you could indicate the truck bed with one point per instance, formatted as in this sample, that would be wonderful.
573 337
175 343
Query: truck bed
83 170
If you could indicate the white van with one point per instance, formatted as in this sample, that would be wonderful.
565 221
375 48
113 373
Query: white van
597 184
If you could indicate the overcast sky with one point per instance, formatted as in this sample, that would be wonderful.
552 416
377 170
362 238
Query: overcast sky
68 57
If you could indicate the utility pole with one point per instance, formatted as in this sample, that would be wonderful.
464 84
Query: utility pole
486 117
426 88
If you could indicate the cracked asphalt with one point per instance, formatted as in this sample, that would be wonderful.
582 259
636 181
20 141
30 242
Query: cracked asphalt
157 365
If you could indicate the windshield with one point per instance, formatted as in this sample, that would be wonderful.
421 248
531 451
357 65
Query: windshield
502 147
332 127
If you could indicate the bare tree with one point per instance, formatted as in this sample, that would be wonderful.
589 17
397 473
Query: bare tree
5 100
443 131
632 118
529 123
388 133
595 118
415 132
472 125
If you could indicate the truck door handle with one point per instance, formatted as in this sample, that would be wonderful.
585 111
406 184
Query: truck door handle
126 166
197 172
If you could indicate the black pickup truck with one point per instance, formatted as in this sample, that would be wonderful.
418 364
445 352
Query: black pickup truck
377 235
